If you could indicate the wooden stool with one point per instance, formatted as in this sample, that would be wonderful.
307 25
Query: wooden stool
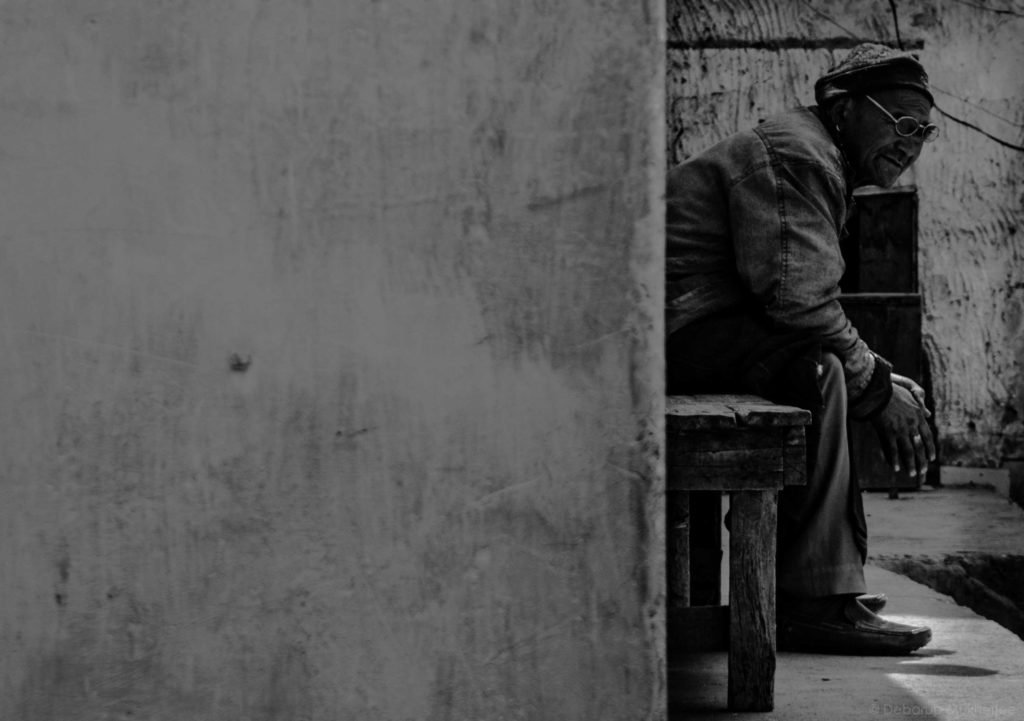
751 448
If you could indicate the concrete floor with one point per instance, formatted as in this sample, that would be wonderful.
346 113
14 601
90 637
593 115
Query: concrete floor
973 668
935 522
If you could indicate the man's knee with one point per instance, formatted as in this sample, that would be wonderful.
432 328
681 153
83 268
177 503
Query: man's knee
832 381
830 369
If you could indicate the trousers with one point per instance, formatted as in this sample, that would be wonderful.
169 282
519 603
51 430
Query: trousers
822 533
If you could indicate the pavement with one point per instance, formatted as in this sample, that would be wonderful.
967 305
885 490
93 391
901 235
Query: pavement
936 522
972 669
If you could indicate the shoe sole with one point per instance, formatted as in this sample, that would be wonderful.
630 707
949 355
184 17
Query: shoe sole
813 638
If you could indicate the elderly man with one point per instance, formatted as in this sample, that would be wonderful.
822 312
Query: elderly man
753 266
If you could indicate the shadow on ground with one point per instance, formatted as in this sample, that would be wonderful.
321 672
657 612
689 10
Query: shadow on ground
809 686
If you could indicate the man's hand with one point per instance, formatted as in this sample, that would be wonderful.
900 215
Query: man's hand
902 429
915 390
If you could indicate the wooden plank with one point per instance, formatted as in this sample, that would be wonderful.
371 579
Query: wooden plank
705 479
677 507
732 400
774 416
891 324
726 399
881 248
702 463
738 455
880 301
727 460
740 461
698 628
736 439
686 414
870 190
752 601
706 412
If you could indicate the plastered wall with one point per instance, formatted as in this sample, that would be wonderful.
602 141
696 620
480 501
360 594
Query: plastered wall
330 359
730 64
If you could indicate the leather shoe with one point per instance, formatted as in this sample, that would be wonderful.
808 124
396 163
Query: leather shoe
873 602
842 625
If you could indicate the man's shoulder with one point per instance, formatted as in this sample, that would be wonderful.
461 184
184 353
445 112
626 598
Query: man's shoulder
798 136
795 136
731 157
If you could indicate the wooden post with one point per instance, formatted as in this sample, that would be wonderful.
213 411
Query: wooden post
678 556
752 600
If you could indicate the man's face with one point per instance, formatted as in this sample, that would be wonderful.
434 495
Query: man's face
878 154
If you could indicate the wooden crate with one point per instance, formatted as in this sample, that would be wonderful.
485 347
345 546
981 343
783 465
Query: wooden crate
890 323
880 248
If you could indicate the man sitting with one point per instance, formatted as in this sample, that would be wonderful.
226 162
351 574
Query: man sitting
753 265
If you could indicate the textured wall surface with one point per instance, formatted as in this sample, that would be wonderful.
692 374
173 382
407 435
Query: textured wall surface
331 360
730 64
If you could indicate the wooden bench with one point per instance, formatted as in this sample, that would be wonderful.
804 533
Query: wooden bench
751 448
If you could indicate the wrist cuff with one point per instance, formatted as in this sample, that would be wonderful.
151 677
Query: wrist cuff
876 394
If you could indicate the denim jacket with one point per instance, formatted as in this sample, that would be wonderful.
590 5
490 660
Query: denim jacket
756 220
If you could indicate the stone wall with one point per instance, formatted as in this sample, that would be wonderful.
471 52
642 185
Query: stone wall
331 360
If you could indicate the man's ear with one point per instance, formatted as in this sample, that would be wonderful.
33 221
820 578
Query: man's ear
839 110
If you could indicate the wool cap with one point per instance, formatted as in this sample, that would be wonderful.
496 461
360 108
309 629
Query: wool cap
870 67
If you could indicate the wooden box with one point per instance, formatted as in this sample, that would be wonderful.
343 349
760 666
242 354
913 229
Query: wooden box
881 246
890 323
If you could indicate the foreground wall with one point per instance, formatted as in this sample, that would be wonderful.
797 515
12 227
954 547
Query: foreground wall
730 64
330 359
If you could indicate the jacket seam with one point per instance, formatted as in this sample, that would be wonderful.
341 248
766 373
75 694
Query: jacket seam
773 163
747 172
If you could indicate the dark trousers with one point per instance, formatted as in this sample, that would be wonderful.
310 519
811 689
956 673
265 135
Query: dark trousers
822 540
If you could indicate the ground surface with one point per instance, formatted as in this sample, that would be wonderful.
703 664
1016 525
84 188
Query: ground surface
972 669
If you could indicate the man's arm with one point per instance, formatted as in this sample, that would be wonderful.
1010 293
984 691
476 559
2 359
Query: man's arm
786 220
786 224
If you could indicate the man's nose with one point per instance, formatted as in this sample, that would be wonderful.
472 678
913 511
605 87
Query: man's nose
911 145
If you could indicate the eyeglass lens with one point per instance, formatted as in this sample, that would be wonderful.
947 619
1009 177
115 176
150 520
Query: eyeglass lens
908 126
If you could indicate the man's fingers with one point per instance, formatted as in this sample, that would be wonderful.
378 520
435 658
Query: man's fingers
907 453
888 443
924 446
920 398
920 452
929 442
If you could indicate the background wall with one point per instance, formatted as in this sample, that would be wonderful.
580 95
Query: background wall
329 337
730 64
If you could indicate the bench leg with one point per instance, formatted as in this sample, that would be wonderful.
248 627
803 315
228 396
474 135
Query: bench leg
752 601
678 555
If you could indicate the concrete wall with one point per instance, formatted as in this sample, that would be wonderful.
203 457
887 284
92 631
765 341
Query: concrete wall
331 361
730 64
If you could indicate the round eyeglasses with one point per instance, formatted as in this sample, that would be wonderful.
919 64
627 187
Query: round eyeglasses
907 126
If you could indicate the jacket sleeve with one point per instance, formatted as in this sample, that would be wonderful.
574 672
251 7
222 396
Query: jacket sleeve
786 220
